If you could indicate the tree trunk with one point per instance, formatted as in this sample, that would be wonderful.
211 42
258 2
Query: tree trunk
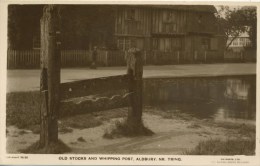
50 76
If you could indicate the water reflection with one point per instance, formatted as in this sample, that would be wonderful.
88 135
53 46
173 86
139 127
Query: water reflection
218 98
237 89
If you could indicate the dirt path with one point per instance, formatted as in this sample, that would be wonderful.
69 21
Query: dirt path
173 135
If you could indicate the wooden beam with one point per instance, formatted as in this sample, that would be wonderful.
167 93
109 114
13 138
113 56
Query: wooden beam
92 86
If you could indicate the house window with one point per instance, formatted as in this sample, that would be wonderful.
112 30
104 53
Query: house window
214 44
120 44
125 44
235 42
167 44
130 14
169 24
247 42
155 44
176 43
162 44
119 17
242 41
168 16
205 43
169 27
199 19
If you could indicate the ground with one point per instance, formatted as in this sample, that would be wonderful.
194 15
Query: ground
27 80
175 133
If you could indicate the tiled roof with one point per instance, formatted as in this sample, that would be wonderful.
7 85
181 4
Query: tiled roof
197 8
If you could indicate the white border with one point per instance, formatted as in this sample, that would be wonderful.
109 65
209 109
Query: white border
45 159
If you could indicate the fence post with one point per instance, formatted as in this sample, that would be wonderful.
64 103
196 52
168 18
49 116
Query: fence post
195 55
205 56
224 56
15 58
50 76
106 58
145 57
155 58
135 74
241 56
178 57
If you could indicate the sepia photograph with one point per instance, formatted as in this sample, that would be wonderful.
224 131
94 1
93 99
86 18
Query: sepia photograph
131 79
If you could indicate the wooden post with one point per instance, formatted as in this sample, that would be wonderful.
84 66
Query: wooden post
50 75
135 73
178 57
145 57
195 56
155 59
106 58
241 56
205 56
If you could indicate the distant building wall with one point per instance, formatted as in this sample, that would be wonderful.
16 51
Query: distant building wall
190 29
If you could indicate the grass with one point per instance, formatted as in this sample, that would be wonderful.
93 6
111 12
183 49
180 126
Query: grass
121 128
53 148
220 147
81 121
242 129
23 111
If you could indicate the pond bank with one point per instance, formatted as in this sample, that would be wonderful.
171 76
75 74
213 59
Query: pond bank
175 133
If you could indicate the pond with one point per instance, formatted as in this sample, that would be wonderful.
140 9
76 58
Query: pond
229 98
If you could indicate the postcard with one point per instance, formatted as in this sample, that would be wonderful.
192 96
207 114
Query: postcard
129 83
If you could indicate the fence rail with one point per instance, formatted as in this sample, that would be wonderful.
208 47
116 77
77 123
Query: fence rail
79 58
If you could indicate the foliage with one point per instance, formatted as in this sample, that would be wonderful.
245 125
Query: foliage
228 147
236 21
250 19
23 24
81 25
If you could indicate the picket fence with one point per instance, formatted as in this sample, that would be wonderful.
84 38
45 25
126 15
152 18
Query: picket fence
69 58
18 59
243 56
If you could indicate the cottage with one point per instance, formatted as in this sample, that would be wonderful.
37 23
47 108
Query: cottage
239 43
166 34
192 31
